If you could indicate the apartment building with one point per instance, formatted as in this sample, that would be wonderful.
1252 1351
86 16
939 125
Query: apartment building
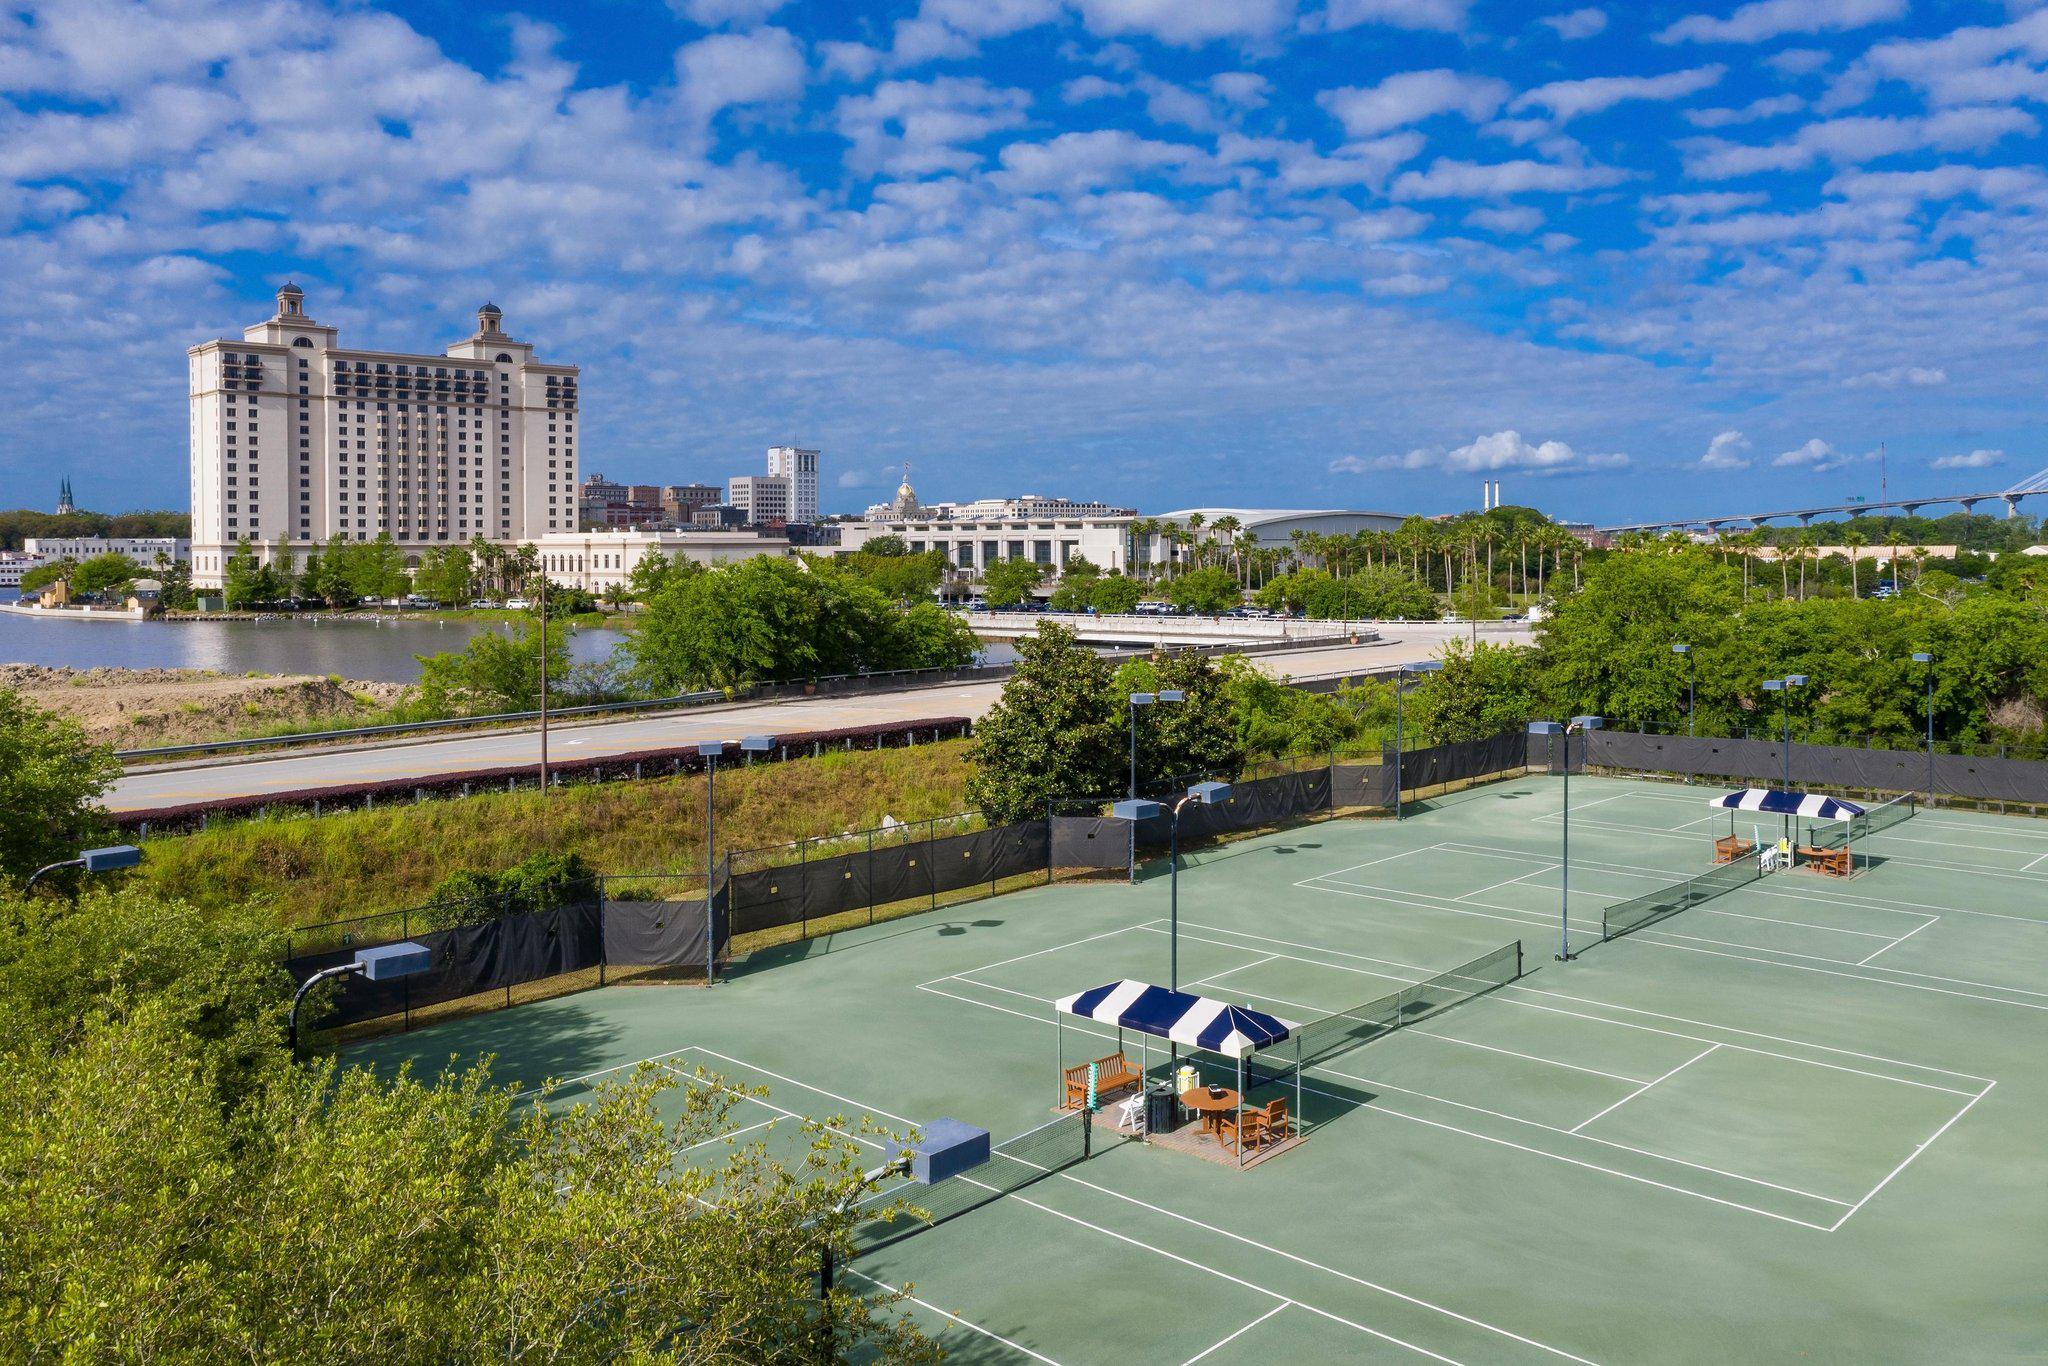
296 440
799 467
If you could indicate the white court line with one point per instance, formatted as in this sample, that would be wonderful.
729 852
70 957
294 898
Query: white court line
1531 1057
1632 1010
1469 1133
1900 940
1214 976
816 1091
1583 1138
948 1314
1533 872
764 1124
1035 953
1852 976
1910 1156
1389 858
2032 862
1234 1336
1644 1087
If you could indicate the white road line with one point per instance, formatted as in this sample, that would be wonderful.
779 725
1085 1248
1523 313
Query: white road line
1634 1010
1900 940
1644 1087
1910 1156
1017 1347
1238 1334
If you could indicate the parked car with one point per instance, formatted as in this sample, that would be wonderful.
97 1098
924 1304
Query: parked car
517 604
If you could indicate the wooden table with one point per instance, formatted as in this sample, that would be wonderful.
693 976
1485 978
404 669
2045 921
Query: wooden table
1212 1109
1834 862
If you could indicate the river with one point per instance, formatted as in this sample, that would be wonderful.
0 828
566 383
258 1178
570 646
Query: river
352 647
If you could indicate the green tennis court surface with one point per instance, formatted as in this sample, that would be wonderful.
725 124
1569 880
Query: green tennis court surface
1801 1120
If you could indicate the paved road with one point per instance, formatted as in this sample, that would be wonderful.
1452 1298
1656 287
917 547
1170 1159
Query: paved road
214 780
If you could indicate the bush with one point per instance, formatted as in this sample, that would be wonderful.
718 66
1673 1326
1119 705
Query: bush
536 883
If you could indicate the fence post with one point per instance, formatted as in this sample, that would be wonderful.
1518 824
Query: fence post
931 873
803 887
405 932
601 952
871 875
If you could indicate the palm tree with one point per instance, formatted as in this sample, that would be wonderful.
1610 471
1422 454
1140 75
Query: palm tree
1855 541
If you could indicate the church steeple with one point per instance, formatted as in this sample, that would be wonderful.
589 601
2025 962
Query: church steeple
64 503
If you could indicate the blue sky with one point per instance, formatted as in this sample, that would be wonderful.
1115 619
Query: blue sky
1628 259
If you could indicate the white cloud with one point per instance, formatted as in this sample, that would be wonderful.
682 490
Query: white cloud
1725 452
1798 61
1573 25
1078 162
1899 377
1186 23
1763 19
955 29
1448 179
1504 450
1083 89
913 128
1411 97
1975 460
1443 16
1568 100
1856 139
713 13
1517 219
1241 89
728 69
1770 106
1816 455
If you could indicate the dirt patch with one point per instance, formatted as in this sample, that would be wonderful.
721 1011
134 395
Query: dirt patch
138 708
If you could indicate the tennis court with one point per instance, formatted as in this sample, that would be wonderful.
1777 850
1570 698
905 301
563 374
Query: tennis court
1800 1118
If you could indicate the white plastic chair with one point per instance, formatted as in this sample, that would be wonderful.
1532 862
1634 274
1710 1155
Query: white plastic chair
1131 1114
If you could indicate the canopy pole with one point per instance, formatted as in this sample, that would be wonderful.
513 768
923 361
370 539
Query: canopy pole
1297 1079
1059 1076
1240 1109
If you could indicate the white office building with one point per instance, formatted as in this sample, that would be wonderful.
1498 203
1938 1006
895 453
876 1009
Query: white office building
144 550
296 440
597 560
799 467
761 498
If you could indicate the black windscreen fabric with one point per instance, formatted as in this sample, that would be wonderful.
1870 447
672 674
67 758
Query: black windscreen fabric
1090 842
468 960
1362 785
835 884
1251 806
1762 762
657 933
1462 760
900 872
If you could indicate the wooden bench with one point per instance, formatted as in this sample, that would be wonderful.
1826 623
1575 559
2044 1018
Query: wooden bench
1729 848
1833 862
1112 1073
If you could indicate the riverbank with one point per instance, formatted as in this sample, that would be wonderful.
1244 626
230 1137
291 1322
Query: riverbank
139 708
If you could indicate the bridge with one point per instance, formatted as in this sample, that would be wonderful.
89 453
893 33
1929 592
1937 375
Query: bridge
2026 488
1133 629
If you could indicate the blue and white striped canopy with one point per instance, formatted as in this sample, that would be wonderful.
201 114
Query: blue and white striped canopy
1811 805
1197 1021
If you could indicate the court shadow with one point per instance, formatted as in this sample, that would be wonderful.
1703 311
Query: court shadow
528 1043
796 951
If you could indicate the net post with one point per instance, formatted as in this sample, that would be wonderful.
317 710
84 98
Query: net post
1087 1133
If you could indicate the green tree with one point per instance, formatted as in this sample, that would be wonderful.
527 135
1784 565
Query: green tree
900 577
58 570
655 571
246 580
110 573
376 569
447 575
1008 582
494 672
1114 594
1195 738
1057 731
51 780
1208 590
1481 691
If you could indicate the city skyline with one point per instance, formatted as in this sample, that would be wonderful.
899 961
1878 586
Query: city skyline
1364 253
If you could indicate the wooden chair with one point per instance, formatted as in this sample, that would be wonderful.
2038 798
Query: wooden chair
1267 1124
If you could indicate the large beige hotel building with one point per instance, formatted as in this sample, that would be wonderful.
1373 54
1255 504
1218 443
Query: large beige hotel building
296 440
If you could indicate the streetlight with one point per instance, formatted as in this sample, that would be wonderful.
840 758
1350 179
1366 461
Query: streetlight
1691 690
1564 891
711 750
1922 657
1401 672
104 860
1146 699
1140 809
1785 687
380 964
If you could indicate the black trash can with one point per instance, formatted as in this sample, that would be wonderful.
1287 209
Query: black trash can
1162 1110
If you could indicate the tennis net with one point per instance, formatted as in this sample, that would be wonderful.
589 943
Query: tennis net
1877 818
1624 917
1325 1038
1013 1164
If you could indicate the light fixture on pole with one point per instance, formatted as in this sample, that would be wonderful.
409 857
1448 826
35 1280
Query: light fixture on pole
1401 672
1922 657
104 860
1564 889
1784 687
1146 699
384 963
712 750
1140 809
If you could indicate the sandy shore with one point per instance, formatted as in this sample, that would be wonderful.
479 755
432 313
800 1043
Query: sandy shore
138 708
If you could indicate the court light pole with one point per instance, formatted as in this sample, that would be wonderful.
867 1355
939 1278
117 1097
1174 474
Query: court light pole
1564 863
384 963
712 751
103 860
1138 809
1785 687
1401 672
1146 699
1691 687
1923 657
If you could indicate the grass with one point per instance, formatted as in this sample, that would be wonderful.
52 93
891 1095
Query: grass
305 869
